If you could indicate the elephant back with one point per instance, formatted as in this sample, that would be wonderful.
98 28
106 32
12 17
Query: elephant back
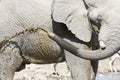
18 15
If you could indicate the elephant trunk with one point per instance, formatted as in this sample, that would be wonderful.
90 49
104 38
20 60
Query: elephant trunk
111 48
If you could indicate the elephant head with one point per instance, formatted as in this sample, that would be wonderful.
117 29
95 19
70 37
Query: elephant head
75 17
107 12
100 12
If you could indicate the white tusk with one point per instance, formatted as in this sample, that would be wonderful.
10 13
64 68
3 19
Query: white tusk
102 44
119 52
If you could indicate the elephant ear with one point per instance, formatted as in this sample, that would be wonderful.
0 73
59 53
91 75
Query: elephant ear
74 15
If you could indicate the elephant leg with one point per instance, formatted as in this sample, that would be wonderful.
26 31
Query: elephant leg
94 69
10 60
80 68
111 63
55 70
111 66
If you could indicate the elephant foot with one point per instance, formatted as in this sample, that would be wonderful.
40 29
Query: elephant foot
93 76
10 60
56 74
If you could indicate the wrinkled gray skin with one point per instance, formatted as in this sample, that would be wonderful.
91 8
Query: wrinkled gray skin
84 65
29 47
76 20
103 15
35 46
105 12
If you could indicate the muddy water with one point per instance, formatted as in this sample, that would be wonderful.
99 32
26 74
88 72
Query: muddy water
108 76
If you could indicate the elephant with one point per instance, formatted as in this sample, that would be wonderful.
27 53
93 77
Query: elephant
103 18
75 19
25 38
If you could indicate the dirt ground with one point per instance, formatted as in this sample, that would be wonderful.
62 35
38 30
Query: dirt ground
45 72
104 66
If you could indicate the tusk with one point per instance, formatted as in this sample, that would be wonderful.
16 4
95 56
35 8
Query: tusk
118 52
102 44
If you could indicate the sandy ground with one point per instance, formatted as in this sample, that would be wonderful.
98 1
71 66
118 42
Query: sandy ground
45 72
104 65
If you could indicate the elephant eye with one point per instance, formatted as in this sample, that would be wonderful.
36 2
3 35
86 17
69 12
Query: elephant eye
97 21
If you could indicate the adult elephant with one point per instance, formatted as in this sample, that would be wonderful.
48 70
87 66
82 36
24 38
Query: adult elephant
102 14
73 14
23 37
